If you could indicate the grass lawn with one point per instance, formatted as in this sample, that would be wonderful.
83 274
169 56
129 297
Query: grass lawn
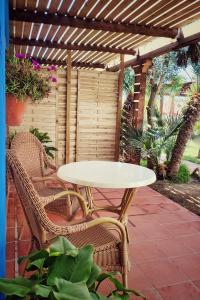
191 152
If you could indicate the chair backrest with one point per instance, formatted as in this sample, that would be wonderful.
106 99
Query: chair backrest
30 152
31 202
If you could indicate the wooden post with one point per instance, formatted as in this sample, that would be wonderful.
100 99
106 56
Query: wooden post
139 94
77 117
119 107
56 124
68 106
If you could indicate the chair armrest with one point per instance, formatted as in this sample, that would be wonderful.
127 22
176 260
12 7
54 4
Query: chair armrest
67 230
82 202
48 178
100 221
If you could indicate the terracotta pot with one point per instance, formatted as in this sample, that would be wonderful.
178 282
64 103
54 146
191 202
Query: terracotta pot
14 110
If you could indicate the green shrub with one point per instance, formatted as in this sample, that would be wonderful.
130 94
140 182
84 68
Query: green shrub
183 175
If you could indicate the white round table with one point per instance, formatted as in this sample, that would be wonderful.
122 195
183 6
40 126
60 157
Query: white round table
107 174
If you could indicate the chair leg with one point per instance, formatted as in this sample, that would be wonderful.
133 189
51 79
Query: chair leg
30 249
125 278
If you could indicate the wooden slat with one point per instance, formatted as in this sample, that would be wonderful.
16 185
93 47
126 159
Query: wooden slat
69 68
30 16
68 46
186 6
160 51
143 8
119 107
77 118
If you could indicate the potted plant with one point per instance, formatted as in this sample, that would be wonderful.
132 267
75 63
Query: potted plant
63 272
23 81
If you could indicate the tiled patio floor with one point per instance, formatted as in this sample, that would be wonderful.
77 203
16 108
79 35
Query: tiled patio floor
164 244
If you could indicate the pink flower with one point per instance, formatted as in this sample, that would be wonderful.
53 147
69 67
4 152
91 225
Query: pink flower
36 67
51 68
53 79
20 55
34 62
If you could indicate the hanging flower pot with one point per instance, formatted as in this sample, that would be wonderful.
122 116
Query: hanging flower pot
23 81
14 110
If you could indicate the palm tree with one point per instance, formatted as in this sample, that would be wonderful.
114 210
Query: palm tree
191 116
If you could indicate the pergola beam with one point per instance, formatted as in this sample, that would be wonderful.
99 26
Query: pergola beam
69 46
65 20
182 42
74 64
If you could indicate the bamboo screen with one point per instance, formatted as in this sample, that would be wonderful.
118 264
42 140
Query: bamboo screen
94 102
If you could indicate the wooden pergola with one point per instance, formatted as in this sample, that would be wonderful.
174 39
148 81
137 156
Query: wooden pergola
90 34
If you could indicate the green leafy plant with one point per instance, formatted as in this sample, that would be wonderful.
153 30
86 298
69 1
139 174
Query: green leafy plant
63 272
23 79
150 143
183 175
43 137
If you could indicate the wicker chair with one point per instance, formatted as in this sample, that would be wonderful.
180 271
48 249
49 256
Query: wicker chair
31 153
110 250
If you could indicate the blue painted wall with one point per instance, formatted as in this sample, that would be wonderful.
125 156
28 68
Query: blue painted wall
3 44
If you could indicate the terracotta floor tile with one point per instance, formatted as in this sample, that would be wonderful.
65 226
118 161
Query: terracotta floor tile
191 241
163 273
197 283
135 210
148 199
151 208
103 202
116 194
181 228
98 196
115 201
168 218
197 225
135 234
164 242
173 247
24 232
10 268
23 248
106 287
146 251
150 294
10 234
143 220
186 215
183 291
137 279
104 191
10 250
189 264
154 231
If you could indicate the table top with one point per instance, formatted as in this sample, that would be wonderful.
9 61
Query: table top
106 174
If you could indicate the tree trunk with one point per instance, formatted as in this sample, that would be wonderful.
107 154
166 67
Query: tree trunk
191 116
161 104
151 103
155 89
199 153
172 106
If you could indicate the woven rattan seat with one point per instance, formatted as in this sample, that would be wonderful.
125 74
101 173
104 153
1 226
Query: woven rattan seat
110 250
31 153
